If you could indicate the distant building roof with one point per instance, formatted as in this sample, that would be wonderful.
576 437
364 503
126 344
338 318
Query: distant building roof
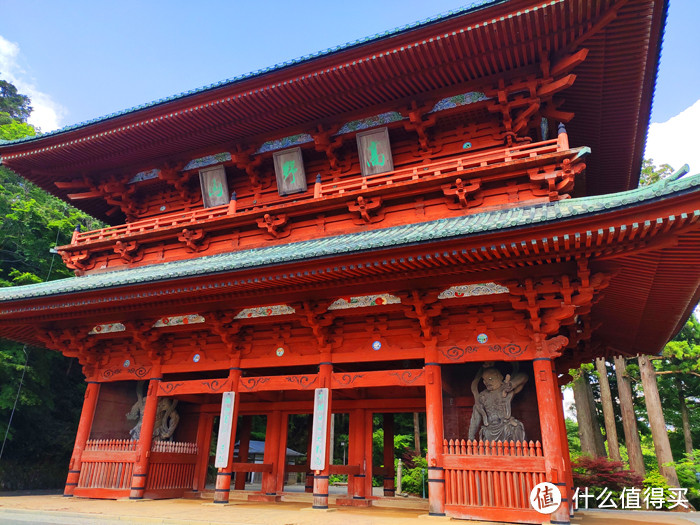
258 448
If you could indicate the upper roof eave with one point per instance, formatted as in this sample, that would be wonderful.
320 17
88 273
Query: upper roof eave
474 6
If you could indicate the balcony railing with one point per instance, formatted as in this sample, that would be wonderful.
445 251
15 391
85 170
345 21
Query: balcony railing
357 184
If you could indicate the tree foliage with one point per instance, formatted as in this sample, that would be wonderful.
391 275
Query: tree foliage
13 103
50 398
652 173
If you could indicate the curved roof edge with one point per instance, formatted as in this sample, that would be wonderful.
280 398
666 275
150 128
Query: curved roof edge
474 6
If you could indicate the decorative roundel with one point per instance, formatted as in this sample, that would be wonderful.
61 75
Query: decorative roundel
127 363
162 208
376 345
280 352
196 358
482 338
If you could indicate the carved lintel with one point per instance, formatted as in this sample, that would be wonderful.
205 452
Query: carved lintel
275 225
367 210
195 239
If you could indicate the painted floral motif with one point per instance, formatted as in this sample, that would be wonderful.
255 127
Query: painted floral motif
293 140
468 290
177 320
265 311
144 175
459 100
107 328
209 160
370 122
364 300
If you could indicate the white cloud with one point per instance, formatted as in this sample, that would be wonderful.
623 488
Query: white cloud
48 115
675 142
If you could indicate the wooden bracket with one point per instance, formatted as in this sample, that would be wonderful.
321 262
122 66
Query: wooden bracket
128 251
459 192
275 225
226 327
418 122
367 210
77 260
326 142
180 181
195 240
424 306
316 316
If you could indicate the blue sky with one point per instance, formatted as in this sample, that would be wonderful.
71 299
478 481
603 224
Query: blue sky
84 59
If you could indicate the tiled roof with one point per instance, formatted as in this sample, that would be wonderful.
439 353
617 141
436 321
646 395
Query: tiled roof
348 45
408 234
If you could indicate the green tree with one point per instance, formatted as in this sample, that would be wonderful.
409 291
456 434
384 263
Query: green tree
652 173
50 398
15 104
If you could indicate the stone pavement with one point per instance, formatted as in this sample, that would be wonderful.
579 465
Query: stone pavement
49 509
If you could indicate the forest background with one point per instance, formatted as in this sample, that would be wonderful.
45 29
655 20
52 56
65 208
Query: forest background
41 391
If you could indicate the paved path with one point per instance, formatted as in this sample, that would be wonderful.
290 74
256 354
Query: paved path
54 509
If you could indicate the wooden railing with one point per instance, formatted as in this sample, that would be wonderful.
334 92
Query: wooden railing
171 469
356 183
445 167
483 477
107 466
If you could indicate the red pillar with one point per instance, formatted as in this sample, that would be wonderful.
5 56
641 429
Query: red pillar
369 445
434 425
86 416
143 448
548 398
321 477
280 472
204 429
223 476
271 456
243 448
389 490
356 454
565 443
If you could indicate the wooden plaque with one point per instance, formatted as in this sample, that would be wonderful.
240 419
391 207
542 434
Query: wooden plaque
320 426
214 186
374 149
289 170
223 443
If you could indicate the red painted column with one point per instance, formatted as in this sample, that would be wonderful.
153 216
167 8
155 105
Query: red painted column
243 448
389 490
325 372
143 448
369 445
271 456
204 429
356 453
565 443
434 426
86 416
223 476
280 472
548 398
